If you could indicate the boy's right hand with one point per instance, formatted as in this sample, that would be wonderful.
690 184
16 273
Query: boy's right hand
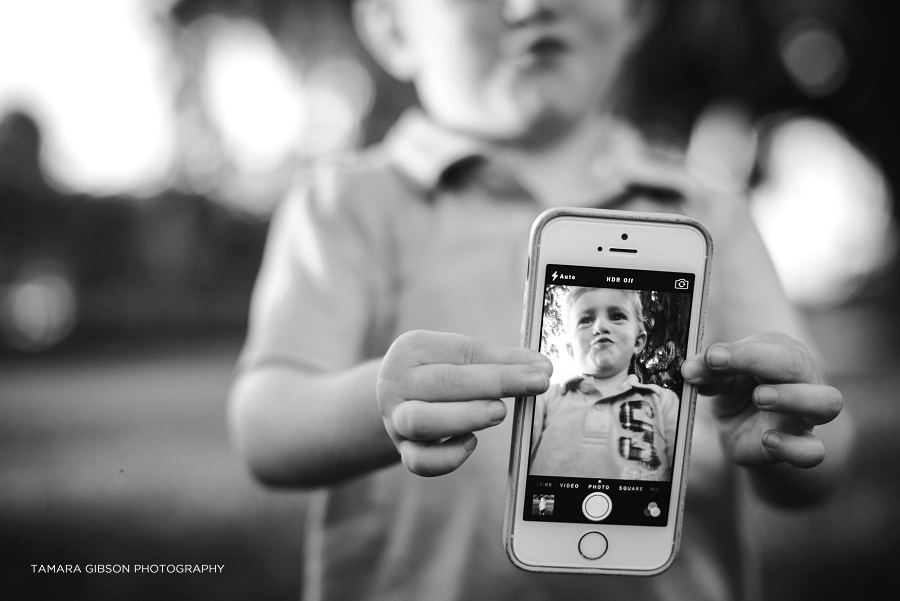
434 389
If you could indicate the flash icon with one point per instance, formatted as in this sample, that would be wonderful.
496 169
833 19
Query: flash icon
554 276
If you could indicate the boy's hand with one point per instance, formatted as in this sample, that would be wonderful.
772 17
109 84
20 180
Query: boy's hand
435 389
768 396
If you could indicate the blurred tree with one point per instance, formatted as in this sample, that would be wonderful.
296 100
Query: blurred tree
666 318
552 324
20 148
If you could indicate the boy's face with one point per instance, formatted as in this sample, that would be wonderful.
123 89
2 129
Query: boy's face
604 332
513 70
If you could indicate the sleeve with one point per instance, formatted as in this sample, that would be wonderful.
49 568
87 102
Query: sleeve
668 402
542 406
745 295
540 415
323 286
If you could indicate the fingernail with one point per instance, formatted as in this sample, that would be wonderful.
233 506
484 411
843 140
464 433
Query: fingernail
497 411
766 396
771 440
544 365
691 369
717 356
469 441
536 381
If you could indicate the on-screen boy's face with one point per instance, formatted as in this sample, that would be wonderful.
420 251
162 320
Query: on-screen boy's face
511 70
604 331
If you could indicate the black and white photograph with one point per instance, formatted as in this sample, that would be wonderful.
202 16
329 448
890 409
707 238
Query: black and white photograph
262 266
617 356
542 504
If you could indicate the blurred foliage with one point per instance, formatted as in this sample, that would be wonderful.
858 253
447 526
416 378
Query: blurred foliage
552 324
666 318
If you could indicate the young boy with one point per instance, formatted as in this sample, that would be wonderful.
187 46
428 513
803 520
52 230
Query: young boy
385 323
604 423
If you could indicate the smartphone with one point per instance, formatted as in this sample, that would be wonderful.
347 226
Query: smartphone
616 301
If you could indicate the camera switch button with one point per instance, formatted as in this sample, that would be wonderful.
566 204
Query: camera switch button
593 545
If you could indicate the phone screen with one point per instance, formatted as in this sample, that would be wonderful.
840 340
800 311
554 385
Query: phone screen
604 435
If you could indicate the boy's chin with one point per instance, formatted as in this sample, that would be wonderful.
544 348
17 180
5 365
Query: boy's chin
528 126
604 372
517 113
550 102
513 115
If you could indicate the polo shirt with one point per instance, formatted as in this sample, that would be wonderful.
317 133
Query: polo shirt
429 230
627 435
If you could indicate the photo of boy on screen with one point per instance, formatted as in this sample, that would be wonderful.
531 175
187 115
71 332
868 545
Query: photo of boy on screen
605 422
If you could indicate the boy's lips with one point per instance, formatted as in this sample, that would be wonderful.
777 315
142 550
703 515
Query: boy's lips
548 46
541 47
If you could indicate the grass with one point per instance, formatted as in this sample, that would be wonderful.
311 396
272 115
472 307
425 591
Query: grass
119 455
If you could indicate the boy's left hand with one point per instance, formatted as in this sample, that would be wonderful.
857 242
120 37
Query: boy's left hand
768 396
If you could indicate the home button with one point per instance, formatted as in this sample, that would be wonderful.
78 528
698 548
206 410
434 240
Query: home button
592 545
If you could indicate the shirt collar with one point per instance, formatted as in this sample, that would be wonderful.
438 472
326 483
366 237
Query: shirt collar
585 385
425 152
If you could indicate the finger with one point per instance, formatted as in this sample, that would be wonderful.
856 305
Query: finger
465 382
730 396
773 362
459 349
436 459
697 372
817 404
728 385
804 450
421 421
728 390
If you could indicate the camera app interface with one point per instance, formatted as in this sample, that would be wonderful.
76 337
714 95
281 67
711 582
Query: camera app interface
604 434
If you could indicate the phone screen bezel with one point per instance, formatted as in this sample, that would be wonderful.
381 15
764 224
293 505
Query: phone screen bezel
572 237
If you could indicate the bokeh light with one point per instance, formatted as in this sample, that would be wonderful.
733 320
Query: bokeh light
268 107
263 113
823 211
92 72
814 57
252 92
38 309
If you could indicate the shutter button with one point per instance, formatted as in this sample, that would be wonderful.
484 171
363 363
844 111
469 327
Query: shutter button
596 506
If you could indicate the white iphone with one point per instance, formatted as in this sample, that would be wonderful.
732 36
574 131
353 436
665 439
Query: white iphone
598 463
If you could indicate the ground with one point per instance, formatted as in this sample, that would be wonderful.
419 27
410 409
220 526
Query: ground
117 453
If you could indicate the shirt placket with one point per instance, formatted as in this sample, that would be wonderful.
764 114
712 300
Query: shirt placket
598 420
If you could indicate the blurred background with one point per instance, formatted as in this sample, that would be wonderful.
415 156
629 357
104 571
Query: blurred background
143 146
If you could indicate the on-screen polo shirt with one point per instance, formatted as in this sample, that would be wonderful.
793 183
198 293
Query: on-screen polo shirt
429 231
578 431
